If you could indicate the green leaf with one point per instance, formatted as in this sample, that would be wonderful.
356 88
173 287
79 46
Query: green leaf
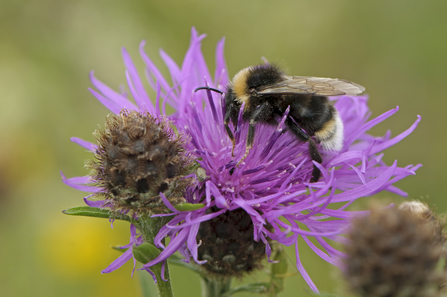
189 206
251 288
145 252
87 211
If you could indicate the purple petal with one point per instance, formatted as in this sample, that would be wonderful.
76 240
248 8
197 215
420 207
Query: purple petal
84 143
320 253
113 107
110 96
367 189
120 261
167 203
393 141
94 203
221 202
374 122
152 68
163 271
172 67
192 243
171 248
142 99
303 271
221 74
151 273
78 183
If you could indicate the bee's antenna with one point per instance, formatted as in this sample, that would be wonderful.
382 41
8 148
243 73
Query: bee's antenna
208 88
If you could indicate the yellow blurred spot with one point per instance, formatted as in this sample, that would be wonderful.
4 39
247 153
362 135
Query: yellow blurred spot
76 246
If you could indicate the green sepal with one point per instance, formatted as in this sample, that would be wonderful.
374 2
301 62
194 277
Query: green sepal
251 288
95 212
189 206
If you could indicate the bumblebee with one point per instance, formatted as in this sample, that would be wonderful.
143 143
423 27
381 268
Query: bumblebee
267 92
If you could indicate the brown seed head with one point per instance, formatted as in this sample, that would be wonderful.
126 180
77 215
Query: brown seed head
392 254
139 156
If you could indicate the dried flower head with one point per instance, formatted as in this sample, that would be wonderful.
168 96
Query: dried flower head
138 157
392 254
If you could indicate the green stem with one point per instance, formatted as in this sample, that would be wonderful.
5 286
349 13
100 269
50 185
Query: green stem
164 287
213 287
149 228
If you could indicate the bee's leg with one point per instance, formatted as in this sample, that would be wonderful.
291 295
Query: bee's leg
230 134
250 140
261 113
315 155
313 151
231 110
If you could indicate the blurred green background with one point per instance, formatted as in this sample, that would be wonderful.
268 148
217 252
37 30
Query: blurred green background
396 49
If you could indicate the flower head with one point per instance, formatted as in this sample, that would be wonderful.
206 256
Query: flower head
228 246
393 252
139 157
271 186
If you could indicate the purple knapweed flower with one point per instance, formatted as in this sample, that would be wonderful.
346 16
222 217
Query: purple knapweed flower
272 184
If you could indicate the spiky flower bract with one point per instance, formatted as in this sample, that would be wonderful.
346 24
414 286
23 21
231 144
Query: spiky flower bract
272 184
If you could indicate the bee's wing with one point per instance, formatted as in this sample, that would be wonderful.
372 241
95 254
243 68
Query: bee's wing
313 85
